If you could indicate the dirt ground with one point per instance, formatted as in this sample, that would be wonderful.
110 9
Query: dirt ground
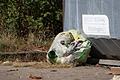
76 73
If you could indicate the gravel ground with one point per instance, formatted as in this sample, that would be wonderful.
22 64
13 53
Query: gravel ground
77 73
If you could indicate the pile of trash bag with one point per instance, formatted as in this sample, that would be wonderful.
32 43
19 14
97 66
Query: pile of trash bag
69 47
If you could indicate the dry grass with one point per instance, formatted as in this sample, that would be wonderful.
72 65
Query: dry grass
37 65
47 65
24 64
10 43
40 65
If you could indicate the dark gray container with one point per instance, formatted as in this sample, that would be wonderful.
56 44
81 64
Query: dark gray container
108 45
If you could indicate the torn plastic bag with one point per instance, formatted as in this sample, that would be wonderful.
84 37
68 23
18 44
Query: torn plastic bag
69 46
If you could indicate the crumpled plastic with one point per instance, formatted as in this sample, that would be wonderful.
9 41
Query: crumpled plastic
68 47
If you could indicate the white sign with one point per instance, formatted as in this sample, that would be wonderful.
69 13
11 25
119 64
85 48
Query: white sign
95 24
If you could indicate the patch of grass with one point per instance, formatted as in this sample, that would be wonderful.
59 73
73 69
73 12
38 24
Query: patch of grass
47 65
8 42
40 65
24 64
11 43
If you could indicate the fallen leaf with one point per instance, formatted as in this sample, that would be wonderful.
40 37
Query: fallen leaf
35 77
12 70
53 70
7 63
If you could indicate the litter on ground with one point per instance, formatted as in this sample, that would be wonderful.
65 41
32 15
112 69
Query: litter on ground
69 47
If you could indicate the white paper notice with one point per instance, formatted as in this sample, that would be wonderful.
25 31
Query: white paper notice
95 24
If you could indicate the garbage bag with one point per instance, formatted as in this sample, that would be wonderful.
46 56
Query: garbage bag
68 47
